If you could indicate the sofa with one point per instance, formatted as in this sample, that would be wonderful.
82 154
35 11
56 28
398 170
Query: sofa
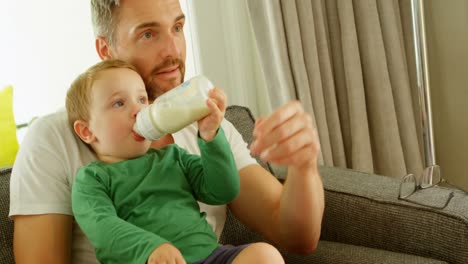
364 221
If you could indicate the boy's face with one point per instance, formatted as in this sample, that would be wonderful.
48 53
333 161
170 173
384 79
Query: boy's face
150 35
116 97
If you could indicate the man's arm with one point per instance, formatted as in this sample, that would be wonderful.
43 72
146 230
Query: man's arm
40 192
42 238
290 215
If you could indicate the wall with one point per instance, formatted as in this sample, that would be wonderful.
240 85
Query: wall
447 35
42 49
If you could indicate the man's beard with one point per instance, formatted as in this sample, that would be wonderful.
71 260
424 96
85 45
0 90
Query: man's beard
152 88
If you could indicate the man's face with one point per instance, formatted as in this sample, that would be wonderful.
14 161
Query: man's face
149 34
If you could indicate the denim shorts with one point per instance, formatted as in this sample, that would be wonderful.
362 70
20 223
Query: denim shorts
224 254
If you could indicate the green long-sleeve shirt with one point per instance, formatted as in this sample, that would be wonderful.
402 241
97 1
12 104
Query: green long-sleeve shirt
129 208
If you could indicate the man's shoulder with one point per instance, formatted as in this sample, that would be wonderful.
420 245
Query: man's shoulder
50 122
53 130
51 138
190 131
228 126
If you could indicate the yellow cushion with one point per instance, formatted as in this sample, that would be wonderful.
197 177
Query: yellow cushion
8 140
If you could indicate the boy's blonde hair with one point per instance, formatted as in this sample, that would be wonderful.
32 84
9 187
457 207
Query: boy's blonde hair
78 96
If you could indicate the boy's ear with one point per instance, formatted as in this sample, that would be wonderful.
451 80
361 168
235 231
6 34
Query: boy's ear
103 48
82 130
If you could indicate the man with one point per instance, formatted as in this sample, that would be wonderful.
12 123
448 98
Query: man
149 35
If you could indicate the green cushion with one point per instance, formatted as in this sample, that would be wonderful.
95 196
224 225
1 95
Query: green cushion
8 141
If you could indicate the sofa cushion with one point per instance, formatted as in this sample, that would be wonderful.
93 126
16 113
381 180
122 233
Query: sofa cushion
6 225
333 252
235 233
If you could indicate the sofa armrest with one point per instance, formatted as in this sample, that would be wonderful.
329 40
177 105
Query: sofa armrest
363 209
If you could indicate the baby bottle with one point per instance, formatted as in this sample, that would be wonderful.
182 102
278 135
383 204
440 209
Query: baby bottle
174 109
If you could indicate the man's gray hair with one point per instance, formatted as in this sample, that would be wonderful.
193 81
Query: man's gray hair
105 17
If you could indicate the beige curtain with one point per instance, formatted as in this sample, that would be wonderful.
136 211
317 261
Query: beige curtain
350 63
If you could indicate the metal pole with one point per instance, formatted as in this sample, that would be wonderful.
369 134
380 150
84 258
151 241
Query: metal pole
422 72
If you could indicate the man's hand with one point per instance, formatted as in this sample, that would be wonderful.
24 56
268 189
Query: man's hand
209 125
167 254
287 137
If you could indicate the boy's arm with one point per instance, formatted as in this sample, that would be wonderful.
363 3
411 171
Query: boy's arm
111 236
213 177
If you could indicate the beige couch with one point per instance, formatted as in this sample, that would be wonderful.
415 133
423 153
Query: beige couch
364 222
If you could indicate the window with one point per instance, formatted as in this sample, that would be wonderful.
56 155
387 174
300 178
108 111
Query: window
42 54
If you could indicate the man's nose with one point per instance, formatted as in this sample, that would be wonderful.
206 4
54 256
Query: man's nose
171 47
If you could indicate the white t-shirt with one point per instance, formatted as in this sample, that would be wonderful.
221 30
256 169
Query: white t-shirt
50 155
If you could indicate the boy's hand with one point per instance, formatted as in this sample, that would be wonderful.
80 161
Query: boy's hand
166 253
209 125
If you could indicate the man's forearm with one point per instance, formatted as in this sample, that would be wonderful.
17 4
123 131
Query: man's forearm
301 210
290 215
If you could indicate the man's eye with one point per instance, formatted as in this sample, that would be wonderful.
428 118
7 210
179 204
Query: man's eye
147 35
179 28
118 104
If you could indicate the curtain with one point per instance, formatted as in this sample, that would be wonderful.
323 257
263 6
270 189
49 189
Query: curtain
351 65
227 54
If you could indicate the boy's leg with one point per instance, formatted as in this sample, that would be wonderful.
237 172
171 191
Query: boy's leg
258 253
223 254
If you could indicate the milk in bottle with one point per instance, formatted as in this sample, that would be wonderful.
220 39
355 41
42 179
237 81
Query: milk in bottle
175 109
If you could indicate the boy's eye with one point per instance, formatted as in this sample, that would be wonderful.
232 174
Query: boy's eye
143 100
118 104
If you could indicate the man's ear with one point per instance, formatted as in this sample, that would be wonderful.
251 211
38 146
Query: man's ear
103 48
82 130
